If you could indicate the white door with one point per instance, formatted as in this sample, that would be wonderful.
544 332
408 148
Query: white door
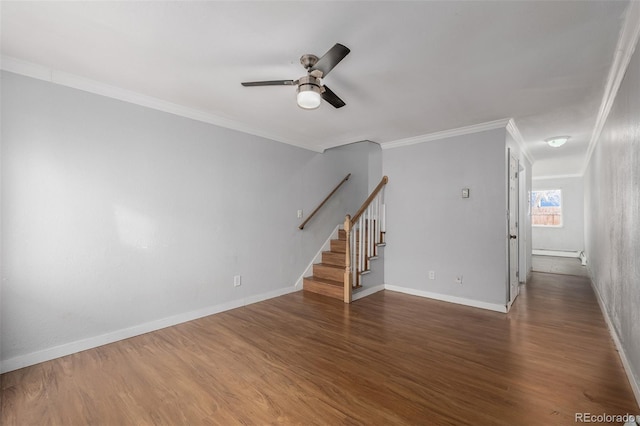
513 228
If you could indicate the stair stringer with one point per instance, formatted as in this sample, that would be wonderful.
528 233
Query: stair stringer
373 281
318 257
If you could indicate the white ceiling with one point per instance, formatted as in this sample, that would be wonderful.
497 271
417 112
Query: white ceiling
415 68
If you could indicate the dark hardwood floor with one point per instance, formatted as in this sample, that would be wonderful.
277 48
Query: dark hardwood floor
388 359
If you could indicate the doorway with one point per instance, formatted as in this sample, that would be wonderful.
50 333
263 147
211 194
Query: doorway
512 235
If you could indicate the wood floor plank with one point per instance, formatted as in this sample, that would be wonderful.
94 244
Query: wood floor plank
306 359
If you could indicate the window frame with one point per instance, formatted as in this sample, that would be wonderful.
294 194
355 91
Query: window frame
532 199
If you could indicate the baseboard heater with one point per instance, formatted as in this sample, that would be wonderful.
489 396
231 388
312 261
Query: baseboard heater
557 253
561 253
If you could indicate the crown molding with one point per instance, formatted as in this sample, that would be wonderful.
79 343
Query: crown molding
507 123
40 72
353 140
627 42
460 131
517 136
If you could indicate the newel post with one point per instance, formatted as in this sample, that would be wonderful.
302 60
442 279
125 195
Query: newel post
347 268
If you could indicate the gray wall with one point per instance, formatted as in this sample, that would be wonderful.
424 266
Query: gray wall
1 239
429 225
324 172
365 160
570 236
612 216
115 215
375 166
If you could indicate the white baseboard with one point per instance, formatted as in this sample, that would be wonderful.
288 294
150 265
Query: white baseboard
318 257
556 253
114 336
447 298
633 380
367 292
93 342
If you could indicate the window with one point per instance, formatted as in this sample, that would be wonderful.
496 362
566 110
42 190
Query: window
546 207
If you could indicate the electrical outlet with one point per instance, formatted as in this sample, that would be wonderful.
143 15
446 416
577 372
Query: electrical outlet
299 214
237 281
432 275
459 279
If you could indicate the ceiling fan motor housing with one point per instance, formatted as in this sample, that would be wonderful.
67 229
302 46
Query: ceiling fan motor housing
309 83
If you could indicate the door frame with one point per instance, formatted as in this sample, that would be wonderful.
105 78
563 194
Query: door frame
513 229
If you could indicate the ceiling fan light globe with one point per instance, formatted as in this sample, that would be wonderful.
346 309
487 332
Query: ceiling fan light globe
309 96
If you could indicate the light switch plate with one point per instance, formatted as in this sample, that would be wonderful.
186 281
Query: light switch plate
465 192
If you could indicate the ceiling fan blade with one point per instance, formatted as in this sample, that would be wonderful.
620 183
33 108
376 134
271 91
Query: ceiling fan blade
332 98
331 59
269 83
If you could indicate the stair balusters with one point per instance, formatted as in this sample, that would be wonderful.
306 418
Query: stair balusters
365 233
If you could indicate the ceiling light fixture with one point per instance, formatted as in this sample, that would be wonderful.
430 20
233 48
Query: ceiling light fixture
309 92
557 141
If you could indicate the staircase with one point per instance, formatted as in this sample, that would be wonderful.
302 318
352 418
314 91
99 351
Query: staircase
328 276
339 272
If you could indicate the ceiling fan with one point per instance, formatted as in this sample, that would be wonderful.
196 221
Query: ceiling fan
310 87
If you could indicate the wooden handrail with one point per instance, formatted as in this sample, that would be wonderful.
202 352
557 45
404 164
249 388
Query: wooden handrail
366 203
346 178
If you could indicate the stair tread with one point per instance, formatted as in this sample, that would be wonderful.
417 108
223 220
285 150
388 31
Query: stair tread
329 265
336 253
324 281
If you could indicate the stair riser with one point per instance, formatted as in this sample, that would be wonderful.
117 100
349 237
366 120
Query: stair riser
328 272
338 246
365 242
331 258
324 289
340 249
